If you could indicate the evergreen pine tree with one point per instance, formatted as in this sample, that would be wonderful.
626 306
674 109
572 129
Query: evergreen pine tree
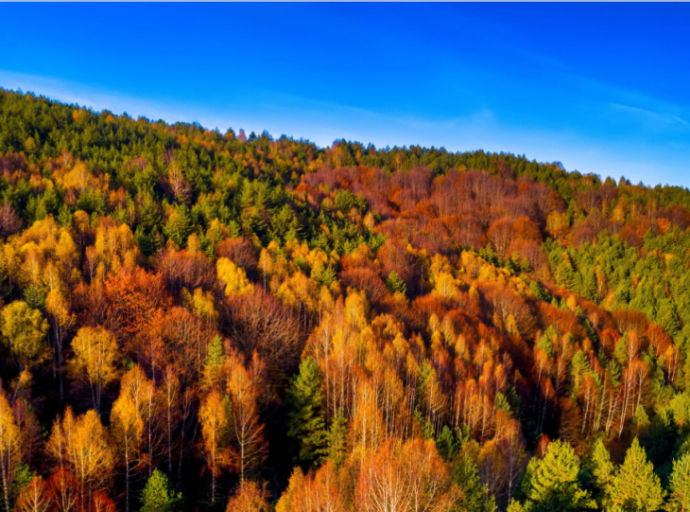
148 216
579 367
475 496
667 317
337 440
554 484
306 423
394 283
598 471
641 420
34 297
516 506
680 485
447 444
565 275
620 352
179 225
214 362
147 241
589 285
635 486
325 275
539 291
216 353
158 496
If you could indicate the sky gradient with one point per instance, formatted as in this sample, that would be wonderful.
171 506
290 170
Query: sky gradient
602 88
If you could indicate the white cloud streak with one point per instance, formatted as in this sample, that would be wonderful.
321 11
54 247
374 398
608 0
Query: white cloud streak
663 118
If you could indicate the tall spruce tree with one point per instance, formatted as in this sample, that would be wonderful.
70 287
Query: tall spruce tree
635 487
337 440
475 496
554 481
599 471
306 423
680 485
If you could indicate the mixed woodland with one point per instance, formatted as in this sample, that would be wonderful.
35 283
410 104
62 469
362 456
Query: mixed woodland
197 320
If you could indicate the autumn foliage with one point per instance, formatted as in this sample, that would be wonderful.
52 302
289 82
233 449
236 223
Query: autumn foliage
193 320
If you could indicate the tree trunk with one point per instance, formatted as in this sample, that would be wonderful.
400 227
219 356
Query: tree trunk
126 475
5 486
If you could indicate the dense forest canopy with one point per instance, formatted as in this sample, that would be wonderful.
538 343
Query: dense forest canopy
193 320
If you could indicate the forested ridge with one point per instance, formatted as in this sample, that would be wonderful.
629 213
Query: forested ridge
192 320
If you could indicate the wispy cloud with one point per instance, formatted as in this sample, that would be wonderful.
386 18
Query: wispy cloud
652 115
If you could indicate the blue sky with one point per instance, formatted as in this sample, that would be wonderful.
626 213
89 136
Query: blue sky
602 88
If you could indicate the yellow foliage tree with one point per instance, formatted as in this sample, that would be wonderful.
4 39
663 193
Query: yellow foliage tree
9 448
233 277
57 307
214 422
243 416
78 178
142 391
45 256
34 496
202 304
446 285
24 332
94 361
114 247
250 497
356 310
82 444
300 291
318 492
128 427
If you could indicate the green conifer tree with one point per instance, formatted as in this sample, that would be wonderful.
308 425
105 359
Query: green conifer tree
554 481
158 495
394 283
475 496
448 444
539 291
635 486
34 297
215 359
516 506
306 422
598 471
667 317
179 225
579 367
216 353
641 420
148 242
325 275
337 440
589 285
620 352
565 274
148 216
680 485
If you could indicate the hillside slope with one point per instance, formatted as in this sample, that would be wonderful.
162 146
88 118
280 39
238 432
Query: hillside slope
346 328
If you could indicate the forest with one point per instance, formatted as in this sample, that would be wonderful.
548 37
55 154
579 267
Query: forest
195 320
